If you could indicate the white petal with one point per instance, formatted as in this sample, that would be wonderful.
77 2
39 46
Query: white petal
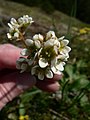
16 34
9 36
66 57
64 42
18 66
68 48
61 57
43 62
40 76
49 43
50 34
24 16
37 44
58 72
23 67
55 49
24 52
20 21
33 70
35 37
29 42
65 50
30 61
49 74
60 66
53 68
39 52
54 61
40 37
13 21
26 20
10 26
61 38
57 43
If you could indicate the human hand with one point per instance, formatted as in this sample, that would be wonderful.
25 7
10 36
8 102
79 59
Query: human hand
12 83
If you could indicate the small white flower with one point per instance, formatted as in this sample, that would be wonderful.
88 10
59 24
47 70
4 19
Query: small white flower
56 65
23 67
25 52
14 23
25 20
30 61
52 42
49 43
19 62
37 43
16 35
9 36
18 65
29 42
38 37
48 73
34 69
13 32
64 49
40 75
60 66
50 34
55 70
43 63
11 26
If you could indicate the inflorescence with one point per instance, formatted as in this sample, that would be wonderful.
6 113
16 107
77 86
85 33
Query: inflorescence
43 56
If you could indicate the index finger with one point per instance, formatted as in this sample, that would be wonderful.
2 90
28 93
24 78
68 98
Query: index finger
8 56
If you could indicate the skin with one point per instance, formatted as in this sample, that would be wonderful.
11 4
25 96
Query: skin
12 82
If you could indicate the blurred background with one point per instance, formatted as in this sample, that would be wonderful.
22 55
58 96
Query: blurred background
82 7
70 18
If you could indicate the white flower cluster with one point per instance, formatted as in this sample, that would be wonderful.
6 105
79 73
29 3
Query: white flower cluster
16 27
46 56
43 56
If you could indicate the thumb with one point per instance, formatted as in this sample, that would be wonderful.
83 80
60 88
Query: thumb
14 84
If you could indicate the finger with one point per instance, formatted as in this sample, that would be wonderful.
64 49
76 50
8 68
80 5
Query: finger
8 56
56 77
48 86
6 71
14 84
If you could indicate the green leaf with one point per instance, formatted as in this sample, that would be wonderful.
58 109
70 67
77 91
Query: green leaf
84 100
69 70
26 97
22 109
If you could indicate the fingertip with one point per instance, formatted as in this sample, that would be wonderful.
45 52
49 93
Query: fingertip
56 77
48 86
